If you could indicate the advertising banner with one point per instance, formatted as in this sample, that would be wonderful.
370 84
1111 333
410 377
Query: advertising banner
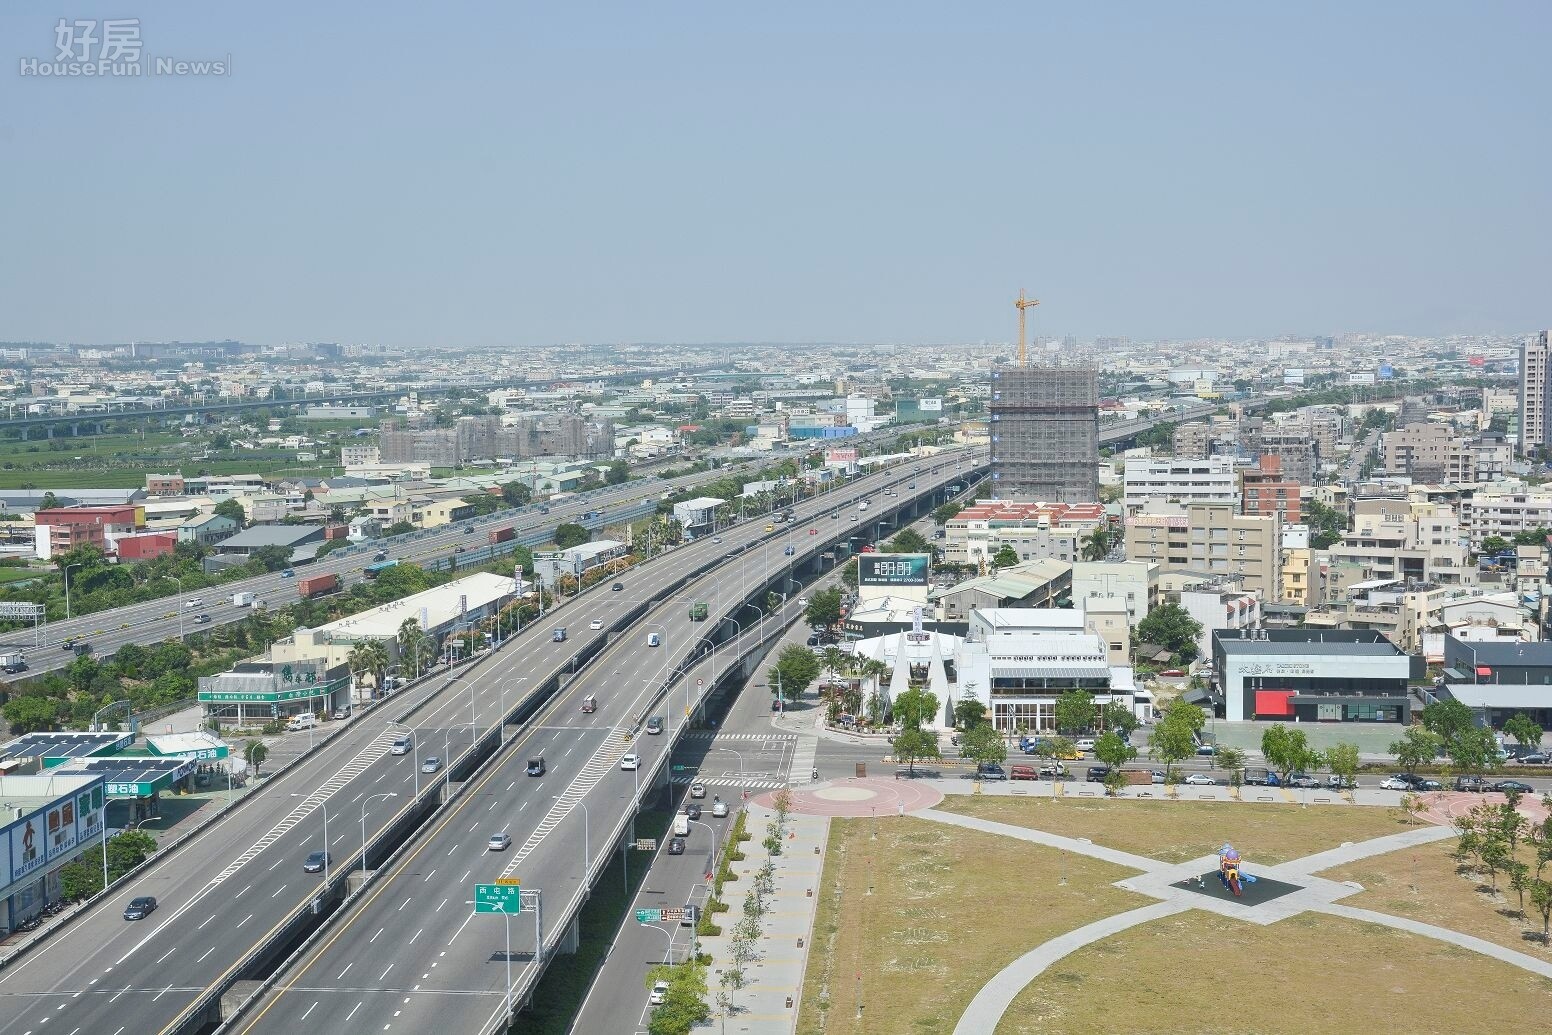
892 569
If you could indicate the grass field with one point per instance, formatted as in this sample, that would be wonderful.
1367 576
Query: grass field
948 909
1422 884
1177 831
1307 975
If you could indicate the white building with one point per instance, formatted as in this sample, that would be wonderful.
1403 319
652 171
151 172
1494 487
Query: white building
361 456
698 516
1217 608
1504 514
1019 676
1135 583
1174 480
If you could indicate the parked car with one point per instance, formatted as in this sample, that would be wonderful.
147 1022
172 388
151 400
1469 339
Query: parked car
499 842
1053 771
659 994
1534 758
431 764
140 907
317 862
1471 783
1341 783
1097 773
1085 744
1206 750
342 713
1304 780
1200 780
1394 783
676 846
628 761
1173 672
990 771
1158 776
1422 783
1505 786
697 790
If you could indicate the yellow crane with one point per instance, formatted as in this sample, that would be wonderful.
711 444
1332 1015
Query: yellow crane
1023 304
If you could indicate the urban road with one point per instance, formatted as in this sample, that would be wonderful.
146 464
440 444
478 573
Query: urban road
230 888
410 954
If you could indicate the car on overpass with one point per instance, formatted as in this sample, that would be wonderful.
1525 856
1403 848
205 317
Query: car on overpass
629 762
317 862
499 842
140 907
431 764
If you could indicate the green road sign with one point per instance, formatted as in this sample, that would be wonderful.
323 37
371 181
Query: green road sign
648 916
498 898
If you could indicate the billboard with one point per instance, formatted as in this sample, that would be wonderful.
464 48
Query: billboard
929 404
892 569
841 455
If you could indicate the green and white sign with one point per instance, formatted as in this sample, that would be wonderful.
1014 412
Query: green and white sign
131 790
498 898
648 916
266 697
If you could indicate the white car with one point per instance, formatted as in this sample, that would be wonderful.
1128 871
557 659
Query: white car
597 623
659 994
1200 779
697 790
1394 783
1086 744
629 761
195 602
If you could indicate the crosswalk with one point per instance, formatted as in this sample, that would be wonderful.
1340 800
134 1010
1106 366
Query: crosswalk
733 781
708 734
802 769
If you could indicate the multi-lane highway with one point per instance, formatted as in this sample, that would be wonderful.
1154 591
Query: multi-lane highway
223 895
409 954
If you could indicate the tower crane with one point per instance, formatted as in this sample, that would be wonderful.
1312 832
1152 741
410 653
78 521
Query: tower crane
1023 304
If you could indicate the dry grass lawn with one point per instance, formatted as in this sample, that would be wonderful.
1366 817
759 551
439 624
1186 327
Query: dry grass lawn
1178 831
1308 975
949 909
1422 884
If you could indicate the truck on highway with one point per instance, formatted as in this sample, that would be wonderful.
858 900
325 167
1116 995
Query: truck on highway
317 585
244 599
698 611
502 535
12 662
371 571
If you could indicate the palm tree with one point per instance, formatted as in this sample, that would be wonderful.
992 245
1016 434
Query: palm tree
369 657
413 646
1096 545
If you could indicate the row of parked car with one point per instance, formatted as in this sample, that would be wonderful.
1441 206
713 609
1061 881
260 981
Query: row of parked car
1482 785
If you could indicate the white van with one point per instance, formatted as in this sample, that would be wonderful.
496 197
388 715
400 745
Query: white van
401 745
681 826
306 721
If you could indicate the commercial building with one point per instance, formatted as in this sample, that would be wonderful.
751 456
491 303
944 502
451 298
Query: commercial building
164 485
1018 676
51 820
489 438
1265 490
1535 391
1100 617
1172 480
1293 444
1045 434
145 546
293 538
1498 680
1028 584
1210 539
698 516
1132 584
1033 530
207 529
577 561
1304 675
340 412
61 529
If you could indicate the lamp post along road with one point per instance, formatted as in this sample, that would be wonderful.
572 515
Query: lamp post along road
364 804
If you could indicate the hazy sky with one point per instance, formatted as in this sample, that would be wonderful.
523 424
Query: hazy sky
846 170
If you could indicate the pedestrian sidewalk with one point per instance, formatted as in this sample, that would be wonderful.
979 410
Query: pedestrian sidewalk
768 1002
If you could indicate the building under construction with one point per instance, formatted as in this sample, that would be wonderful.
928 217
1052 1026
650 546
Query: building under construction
1045 434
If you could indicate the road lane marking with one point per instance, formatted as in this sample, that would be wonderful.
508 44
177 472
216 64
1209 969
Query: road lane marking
163 992
310 1009
412 941
401 908
201 927
169 952
431 874
244 920
385 972
466 877
207 953
241 893
438 909
353 1010
461 926
372 939
342 973
283 887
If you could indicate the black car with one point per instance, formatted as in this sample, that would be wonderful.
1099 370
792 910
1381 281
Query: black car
676 846
536 766
316 862
1534 758
692 811
140 907
618 586
1505 786
1097 773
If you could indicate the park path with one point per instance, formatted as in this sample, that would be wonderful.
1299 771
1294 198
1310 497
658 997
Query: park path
1157 879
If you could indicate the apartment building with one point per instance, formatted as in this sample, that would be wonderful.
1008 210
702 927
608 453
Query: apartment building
1189 440
1433 452
1405 541
1264 490
1535 358
1033 530
1210 538
1407 611
360 456
1504 514
1134 584
62 529
1293 444
1045 434
1173 480
1297 586
1218 605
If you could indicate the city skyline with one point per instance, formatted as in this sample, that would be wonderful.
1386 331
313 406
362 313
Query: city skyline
1210 171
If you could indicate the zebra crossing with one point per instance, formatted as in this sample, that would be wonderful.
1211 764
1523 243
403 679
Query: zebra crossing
352 769
752 783
709 734
603 761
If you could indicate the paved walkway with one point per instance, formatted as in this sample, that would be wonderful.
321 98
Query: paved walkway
1158 880
768 1003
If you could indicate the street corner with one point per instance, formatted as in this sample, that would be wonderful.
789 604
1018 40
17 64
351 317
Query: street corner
858 798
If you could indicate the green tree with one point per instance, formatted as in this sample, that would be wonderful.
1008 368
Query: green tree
1449 719
31 713
1286 750
271 558
398 528
1473 750
1113 715
849 574
1343 762
1174 736
1005 557
1171 626
914 707
1096 545
516 494
1523 729
824 608
795 670
230 508
946 512
907 540
1327 524
984 744
1233 762
416 649
368 658
1113 751
482 503
618 473
254 753
571 534
1495 544
969 713
1418 746
913 745
1075 711
49 502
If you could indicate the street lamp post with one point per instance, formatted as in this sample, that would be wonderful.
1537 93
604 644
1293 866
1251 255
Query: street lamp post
414 752
385 794
78 564
587 855
447 756
713 834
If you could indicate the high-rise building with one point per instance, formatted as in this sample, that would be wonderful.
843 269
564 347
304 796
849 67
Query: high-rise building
1535 355
1045 434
